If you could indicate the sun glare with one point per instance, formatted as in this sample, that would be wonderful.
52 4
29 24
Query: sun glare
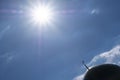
41 14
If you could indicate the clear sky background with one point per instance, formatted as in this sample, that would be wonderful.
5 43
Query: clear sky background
86 30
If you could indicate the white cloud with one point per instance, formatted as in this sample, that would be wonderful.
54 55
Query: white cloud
112 56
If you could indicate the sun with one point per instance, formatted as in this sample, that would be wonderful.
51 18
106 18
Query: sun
41 14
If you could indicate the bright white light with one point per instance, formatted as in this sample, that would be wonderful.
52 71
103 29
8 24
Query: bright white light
41 14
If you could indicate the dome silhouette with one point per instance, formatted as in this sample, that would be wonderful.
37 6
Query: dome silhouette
103 72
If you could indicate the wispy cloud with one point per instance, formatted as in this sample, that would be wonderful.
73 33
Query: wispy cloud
4 31
95 11
7 57
111 56
79 77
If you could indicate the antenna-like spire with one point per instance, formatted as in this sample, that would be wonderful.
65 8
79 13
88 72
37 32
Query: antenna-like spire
85 65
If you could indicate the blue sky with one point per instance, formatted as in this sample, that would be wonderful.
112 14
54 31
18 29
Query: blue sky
83 30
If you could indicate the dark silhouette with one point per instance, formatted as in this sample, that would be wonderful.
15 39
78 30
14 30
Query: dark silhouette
103 72
85 65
